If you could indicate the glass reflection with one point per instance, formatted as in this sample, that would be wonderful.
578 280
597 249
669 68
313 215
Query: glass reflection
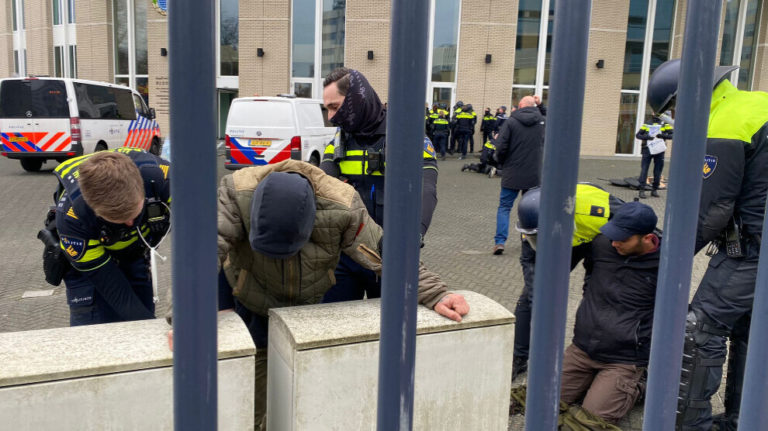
625 136
140 34
302 89
728 44
749 47
633 52
121 37
445 40
527 42
303 39
548 54
333 35
228 40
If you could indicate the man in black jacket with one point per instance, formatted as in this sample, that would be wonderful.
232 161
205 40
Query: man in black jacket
519 150
612 334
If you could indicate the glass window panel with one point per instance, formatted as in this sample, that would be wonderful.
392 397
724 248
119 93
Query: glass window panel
518 93
142 86
749 47
302 89
548 54
441 95
527 42
662 33
122 80
13 13
140 32
728 45
333 35
625 136
40 98
445 40
121 37
633 52
303 39
71 11
21 16
106 103
58 61
72 61
16 62
56 12
229 38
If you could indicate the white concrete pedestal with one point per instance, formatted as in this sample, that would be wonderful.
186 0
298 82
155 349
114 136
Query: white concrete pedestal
116 376
323 367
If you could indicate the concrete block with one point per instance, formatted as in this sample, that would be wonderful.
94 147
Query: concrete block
116 376
323 367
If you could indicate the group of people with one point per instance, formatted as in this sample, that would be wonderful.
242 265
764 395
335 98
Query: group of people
455 131
320 241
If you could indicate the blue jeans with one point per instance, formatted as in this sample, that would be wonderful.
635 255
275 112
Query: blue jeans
506 201
353 281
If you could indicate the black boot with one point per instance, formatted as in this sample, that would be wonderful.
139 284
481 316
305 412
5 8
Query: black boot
642 195
654 193
519 366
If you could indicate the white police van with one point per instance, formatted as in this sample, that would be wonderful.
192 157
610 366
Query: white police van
266 130
59 118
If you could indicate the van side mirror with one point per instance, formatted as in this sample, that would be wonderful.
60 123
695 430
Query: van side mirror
152 114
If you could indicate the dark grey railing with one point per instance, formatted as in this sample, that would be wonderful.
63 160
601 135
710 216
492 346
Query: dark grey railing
193 187
402 210
561 156
672 291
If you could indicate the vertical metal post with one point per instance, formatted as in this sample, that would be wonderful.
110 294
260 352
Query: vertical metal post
754 400
193 187
561 155
694 95
402 210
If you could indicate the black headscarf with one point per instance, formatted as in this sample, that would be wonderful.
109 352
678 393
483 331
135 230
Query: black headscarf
362 112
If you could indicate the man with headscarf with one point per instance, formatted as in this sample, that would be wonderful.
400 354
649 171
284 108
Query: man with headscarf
358 155
281 230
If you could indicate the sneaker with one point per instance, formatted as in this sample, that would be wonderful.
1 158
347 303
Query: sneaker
498 249
655 193
491 172
461 157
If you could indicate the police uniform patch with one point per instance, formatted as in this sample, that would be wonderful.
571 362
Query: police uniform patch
428 148
597 211
710 164
71 213
74 247
164 168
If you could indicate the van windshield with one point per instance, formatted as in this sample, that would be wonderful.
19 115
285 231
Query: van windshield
260 113
34 98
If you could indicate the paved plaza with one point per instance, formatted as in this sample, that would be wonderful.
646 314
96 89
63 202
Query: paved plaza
458 245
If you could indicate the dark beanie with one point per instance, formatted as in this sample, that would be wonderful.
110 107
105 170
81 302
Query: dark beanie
282 215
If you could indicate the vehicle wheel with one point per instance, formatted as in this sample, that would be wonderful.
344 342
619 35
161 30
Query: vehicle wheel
100 147
32 165
156 147
314 159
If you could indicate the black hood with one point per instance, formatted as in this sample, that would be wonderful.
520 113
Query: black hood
282 215
528 116
362 112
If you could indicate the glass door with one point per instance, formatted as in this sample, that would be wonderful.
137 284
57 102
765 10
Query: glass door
440 93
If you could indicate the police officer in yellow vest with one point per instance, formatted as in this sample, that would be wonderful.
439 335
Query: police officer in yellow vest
457 109
488 125
439 133
594 207
358 156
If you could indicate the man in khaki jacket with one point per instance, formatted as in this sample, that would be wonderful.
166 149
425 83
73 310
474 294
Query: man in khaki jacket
282 229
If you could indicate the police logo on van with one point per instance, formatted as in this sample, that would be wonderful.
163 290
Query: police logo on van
74 247
710 164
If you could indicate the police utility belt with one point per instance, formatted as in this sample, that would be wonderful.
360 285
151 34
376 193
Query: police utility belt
735 242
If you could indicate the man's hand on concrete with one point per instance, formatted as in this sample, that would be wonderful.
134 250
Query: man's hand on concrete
452 306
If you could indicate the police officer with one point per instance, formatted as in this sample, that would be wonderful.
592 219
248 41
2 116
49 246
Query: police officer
501 116
439 133
112 206
432 115
594 207
358 155
457 109
652 133
488 125
731 214
465 128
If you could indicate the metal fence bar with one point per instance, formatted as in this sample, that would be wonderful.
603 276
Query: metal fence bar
561 155
754 400
673 287
402 210
193 187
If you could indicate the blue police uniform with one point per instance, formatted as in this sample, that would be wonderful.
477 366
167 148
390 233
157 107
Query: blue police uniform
110 276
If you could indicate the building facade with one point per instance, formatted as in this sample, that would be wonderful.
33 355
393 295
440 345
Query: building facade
485 52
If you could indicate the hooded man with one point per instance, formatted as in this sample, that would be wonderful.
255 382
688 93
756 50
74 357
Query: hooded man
358 155
282 229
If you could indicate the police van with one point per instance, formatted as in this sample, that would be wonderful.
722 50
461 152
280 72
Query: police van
58 118
265 130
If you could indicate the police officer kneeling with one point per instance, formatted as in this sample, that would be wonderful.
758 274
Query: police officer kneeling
111 207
